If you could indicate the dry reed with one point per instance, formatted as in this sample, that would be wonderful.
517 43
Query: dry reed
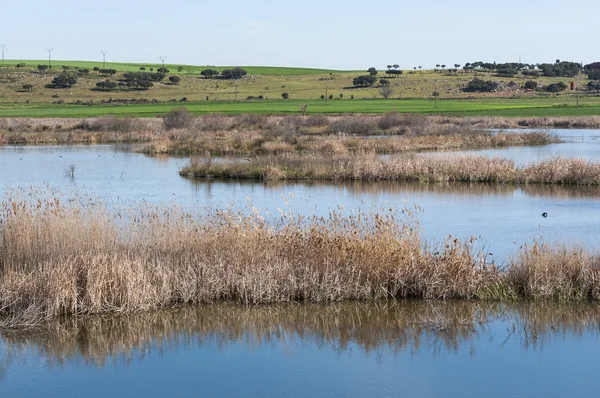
80 257
423 168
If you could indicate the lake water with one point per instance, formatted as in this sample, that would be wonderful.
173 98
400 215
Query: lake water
406 349
400 349
502 217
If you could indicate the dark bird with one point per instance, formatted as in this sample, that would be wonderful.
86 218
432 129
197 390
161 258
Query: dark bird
544 214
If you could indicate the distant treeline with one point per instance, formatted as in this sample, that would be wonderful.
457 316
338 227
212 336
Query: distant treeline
557 69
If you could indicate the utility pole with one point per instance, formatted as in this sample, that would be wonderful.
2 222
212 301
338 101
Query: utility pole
3 47
162 58
50 49
577 88
104 52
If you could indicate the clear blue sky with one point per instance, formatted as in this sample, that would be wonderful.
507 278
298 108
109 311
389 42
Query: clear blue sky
328 33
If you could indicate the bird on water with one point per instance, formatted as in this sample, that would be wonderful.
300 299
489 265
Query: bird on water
544 214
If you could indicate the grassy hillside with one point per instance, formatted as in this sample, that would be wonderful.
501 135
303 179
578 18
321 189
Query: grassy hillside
186 69
412 92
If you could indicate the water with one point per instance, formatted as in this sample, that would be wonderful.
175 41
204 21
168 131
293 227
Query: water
413 349
502 217
583 144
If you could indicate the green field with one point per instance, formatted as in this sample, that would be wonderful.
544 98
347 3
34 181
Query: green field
186 69
516 107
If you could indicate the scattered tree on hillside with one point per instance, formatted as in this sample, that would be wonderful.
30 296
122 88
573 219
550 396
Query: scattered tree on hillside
386 91
372 71
105 86
236 73
479 85
531 85
209 73
64 80
142 68
174 80
163 70
561 69
384 82
21 65
556 87
364 81
108 72
42 68
285 96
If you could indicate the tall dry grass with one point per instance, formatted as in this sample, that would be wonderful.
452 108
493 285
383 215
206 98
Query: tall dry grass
423 168
80 257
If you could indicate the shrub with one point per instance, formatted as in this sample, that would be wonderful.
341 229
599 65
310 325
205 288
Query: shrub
174 80
531 85
105 86
384 82
21 65
178 118
209 73
364 81
285 96
556 87
27 87
63 80
235 73
479 85
594 75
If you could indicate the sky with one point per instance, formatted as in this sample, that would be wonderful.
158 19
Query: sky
332 34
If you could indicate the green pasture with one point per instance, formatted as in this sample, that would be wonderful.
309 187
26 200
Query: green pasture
187 69
477 107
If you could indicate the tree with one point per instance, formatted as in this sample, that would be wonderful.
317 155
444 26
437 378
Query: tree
142 68
396 66
443 66
479 85
456 66
322 97
179 68
235 73
162 70
64 80
21 65
364 81
105 86
437 66
209 73
42 68
384 82
530 85
27 87
372 71
341 95
174 80
389 67
285 96
330 96
386 91
556 87
594 75
108 72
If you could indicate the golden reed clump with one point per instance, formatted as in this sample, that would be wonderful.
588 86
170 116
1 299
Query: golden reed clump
81 257
422 168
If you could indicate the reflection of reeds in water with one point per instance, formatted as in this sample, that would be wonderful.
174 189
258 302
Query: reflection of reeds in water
400 187
403 327
83 258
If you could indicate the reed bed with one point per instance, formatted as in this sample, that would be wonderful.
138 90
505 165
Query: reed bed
421 168
76 256
182 133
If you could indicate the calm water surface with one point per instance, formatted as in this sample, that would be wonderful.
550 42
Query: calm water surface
405 349
401 349
502 217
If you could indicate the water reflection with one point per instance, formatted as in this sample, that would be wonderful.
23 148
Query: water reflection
404 326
